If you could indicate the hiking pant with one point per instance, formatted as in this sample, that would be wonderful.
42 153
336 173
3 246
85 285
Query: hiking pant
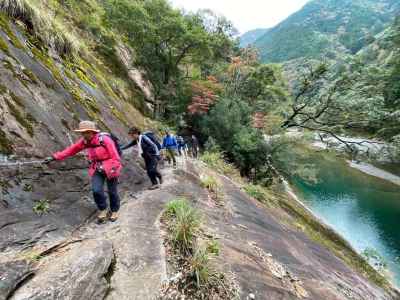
100 198
182 150
171 155
195 151
151 163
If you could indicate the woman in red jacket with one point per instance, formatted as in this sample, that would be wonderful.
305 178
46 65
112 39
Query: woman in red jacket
105 166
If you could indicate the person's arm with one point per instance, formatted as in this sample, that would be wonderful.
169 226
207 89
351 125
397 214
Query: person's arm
110 146
164 143
70 151
127 146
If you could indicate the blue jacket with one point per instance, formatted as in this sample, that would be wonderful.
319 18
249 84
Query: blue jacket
169 142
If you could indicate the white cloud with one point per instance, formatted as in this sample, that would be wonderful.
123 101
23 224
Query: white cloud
246 14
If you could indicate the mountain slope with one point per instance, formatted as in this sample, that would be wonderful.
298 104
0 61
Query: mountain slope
327 28
251 36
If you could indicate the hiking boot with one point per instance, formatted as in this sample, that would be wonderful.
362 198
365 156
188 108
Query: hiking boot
114 216
102 216
154 187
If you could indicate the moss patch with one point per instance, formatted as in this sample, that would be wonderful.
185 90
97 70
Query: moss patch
5 25
4 46
119 115
26 120
6 146
48 62
82 76
31 76
3 89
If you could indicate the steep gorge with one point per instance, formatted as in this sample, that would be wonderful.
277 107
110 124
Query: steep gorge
62 254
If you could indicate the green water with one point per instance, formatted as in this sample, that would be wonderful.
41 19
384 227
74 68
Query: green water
365 210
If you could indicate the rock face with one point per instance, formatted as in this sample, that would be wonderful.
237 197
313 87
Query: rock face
269 258
11 274
78 274
43 96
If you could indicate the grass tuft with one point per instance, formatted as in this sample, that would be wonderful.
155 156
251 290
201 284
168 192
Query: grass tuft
43 25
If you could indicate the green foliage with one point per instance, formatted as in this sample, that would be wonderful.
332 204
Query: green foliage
213 247
41 207
256 192
323 28
164 38
375 259
216 161
200 266
249 150
210 183
185 224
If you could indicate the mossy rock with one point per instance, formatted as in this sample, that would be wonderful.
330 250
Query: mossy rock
3 89
26 120
4 46
31 76
49 63
119 115
5 26
6 145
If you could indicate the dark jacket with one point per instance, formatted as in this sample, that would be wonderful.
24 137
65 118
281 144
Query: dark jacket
148 147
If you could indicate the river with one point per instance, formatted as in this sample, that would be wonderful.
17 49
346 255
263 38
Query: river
364 209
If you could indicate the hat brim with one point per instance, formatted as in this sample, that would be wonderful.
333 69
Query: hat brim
86 130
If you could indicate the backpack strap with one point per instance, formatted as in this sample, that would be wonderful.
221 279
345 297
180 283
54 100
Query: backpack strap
149 141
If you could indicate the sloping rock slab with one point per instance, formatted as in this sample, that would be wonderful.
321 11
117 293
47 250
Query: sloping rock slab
78 274
11 274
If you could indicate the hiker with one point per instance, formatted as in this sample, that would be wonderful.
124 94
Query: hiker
181 146
105 166
170 145
149 148
195 146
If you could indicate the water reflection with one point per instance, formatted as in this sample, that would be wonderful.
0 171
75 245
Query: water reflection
363 209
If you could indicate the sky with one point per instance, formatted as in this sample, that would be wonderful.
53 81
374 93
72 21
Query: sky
246 14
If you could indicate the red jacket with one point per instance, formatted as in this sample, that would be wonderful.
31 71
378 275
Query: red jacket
105 155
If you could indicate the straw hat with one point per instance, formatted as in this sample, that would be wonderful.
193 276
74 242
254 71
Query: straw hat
86 126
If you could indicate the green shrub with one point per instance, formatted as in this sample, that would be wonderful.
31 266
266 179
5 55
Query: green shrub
256 192
213 247
41 207
216 161
175 205
200 267
185 224
210 183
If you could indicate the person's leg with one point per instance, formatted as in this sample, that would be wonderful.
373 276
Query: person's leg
172 155
157 173
98 195
112 185
152 169
148 163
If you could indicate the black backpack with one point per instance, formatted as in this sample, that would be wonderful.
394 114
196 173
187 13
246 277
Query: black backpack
114 138
153 138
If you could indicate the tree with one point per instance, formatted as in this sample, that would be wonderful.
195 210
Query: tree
165 39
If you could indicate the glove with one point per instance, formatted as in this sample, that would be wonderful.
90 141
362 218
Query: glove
48 160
